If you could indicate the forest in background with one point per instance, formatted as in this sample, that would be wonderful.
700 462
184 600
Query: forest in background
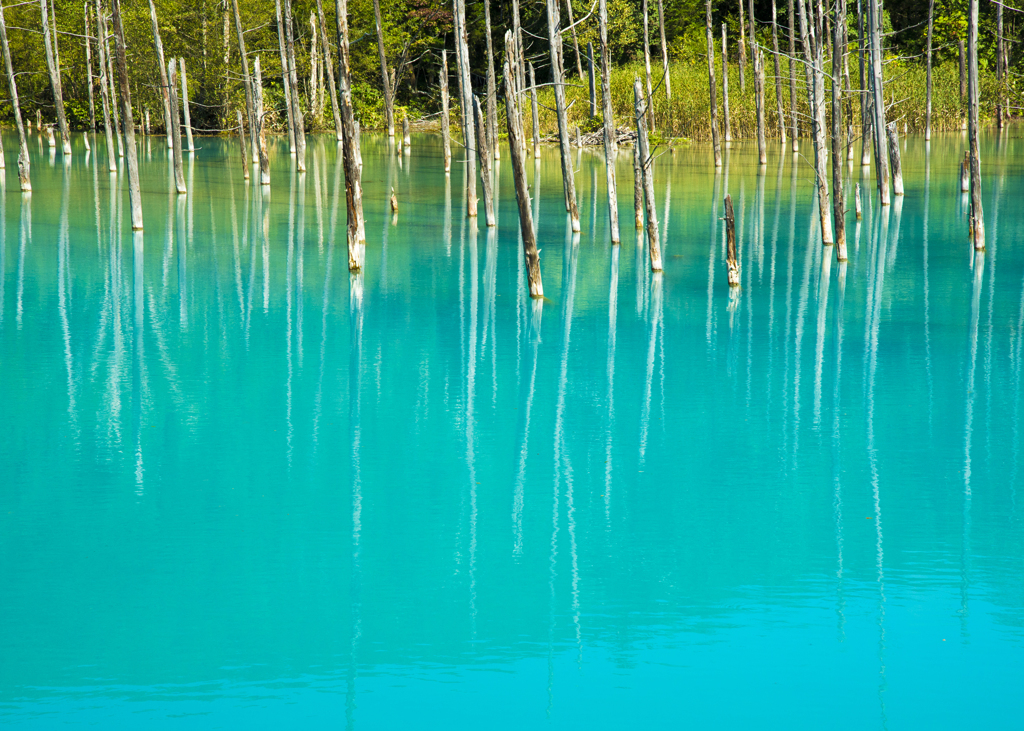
415 32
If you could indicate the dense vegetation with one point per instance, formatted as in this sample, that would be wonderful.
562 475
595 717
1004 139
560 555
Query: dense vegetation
202 31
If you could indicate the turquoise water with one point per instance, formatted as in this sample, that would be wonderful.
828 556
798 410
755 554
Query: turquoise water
239 488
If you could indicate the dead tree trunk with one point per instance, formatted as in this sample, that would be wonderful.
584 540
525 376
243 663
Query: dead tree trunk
558 73
535 114
865 103
575 41
286 79
162 63
293 76
762 152
1000 108
466 104
647 68
725 86
778 76
350 146
105 101
88 70
715 141
24 165
389 102
638 188
330 69
816 103
977 213
517 151
731 260
184 106
55 85
611 147
134 193
794 122
647 172
446 135
592 82
492 91
247 82
179 176
928 80
517 30
261 128
245 149
114 96
664 53
485 160
742 49
878 103
894 159
838 199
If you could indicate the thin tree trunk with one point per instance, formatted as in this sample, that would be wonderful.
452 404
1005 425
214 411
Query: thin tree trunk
611 147
725 86
592 83
286 79
977 213
816 103
328 64
664 52
184 106
88 70
647 172
134 193
300 131
261 128
114 96
24 166
446 135
647 68
894 159
865 102
389 104
1000 109
794 122
762 153
105 100
568 172
466 104
58 94
838 199
517 30
731 259
406 134
780 114
928 81
245 149
350 146
517 151
535 114
715 141
878 103
162 63
316 108
492 92
485 161
575 41
179 176
743 49
250 108
638 188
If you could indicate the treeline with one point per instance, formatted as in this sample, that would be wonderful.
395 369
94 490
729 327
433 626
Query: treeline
415 31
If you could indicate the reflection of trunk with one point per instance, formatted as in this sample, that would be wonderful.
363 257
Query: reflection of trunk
241 139
55 85
731 260
977 214
389 103
611 148
129 122
350 134
162 63
558 75
12 86
646 165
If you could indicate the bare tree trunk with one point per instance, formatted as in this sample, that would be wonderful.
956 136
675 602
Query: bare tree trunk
24 165
1000 109
88 70
261 128
286 79
350 145
664 52
638 188
330 70
865 102
446 135
568 173
247 82
58 94
977 213
816 103
179 176
611 147
245 149
105 100
592 83
575 41
184 106
134 193
293 76
725 86
389 103
162 63
838 199
794 123
780 114
715 141
928 81
762 152
492 92
878 103
731 259
894 159
485 161
743 49
517 30
517 151
114 95
647 171
647 68
536 115
466 104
